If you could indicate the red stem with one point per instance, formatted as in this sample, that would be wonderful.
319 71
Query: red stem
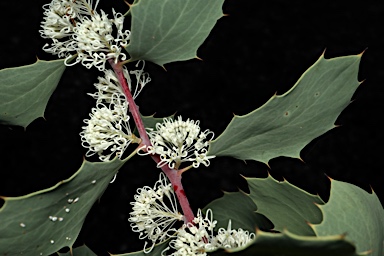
172 174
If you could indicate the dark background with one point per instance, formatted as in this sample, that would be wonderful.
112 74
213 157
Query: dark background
260 48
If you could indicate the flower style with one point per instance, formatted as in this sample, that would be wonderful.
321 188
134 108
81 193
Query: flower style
178 141
196 238
76 28
151 216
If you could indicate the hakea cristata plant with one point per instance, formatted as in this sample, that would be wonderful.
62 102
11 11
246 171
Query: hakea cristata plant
164 31
78 31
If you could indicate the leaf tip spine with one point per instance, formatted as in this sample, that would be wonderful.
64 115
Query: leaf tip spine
329 178
322 56
361 54
197 57
301 159
370 186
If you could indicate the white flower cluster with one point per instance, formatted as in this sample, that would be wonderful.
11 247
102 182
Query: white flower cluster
151 216
178 141
194 238
76 28
154 220
107 132
232 238
197 238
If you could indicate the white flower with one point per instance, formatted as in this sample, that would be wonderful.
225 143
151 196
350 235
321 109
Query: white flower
196 238
58 17
76 28
178 141
95 43
232 238
107 130
109 87
151 216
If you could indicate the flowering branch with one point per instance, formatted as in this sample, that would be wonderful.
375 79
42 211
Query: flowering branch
118 68
172 174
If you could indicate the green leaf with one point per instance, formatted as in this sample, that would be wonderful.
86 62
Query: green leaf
79 251
240 209
353 211
156 250
288 207
25 91
285 124
43 222
287 244
171 30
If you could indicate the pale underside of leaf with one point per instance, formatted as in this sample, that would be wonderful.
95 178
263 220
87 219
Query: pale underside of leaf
45 221
171 30
25 91
356 213
285 124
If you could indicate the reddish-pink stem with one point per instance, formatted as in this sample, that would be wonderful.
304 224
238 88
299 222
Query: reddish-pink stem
172 174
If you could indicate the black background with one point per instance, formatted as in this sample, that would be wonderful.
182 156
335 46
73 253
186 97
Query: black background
262 47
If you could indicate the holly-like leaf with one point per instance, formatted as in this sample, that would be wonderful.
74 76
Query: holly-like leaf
352 211
43 222
171 30
240 209
79 251
286 206
288 244
25 91
285 124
